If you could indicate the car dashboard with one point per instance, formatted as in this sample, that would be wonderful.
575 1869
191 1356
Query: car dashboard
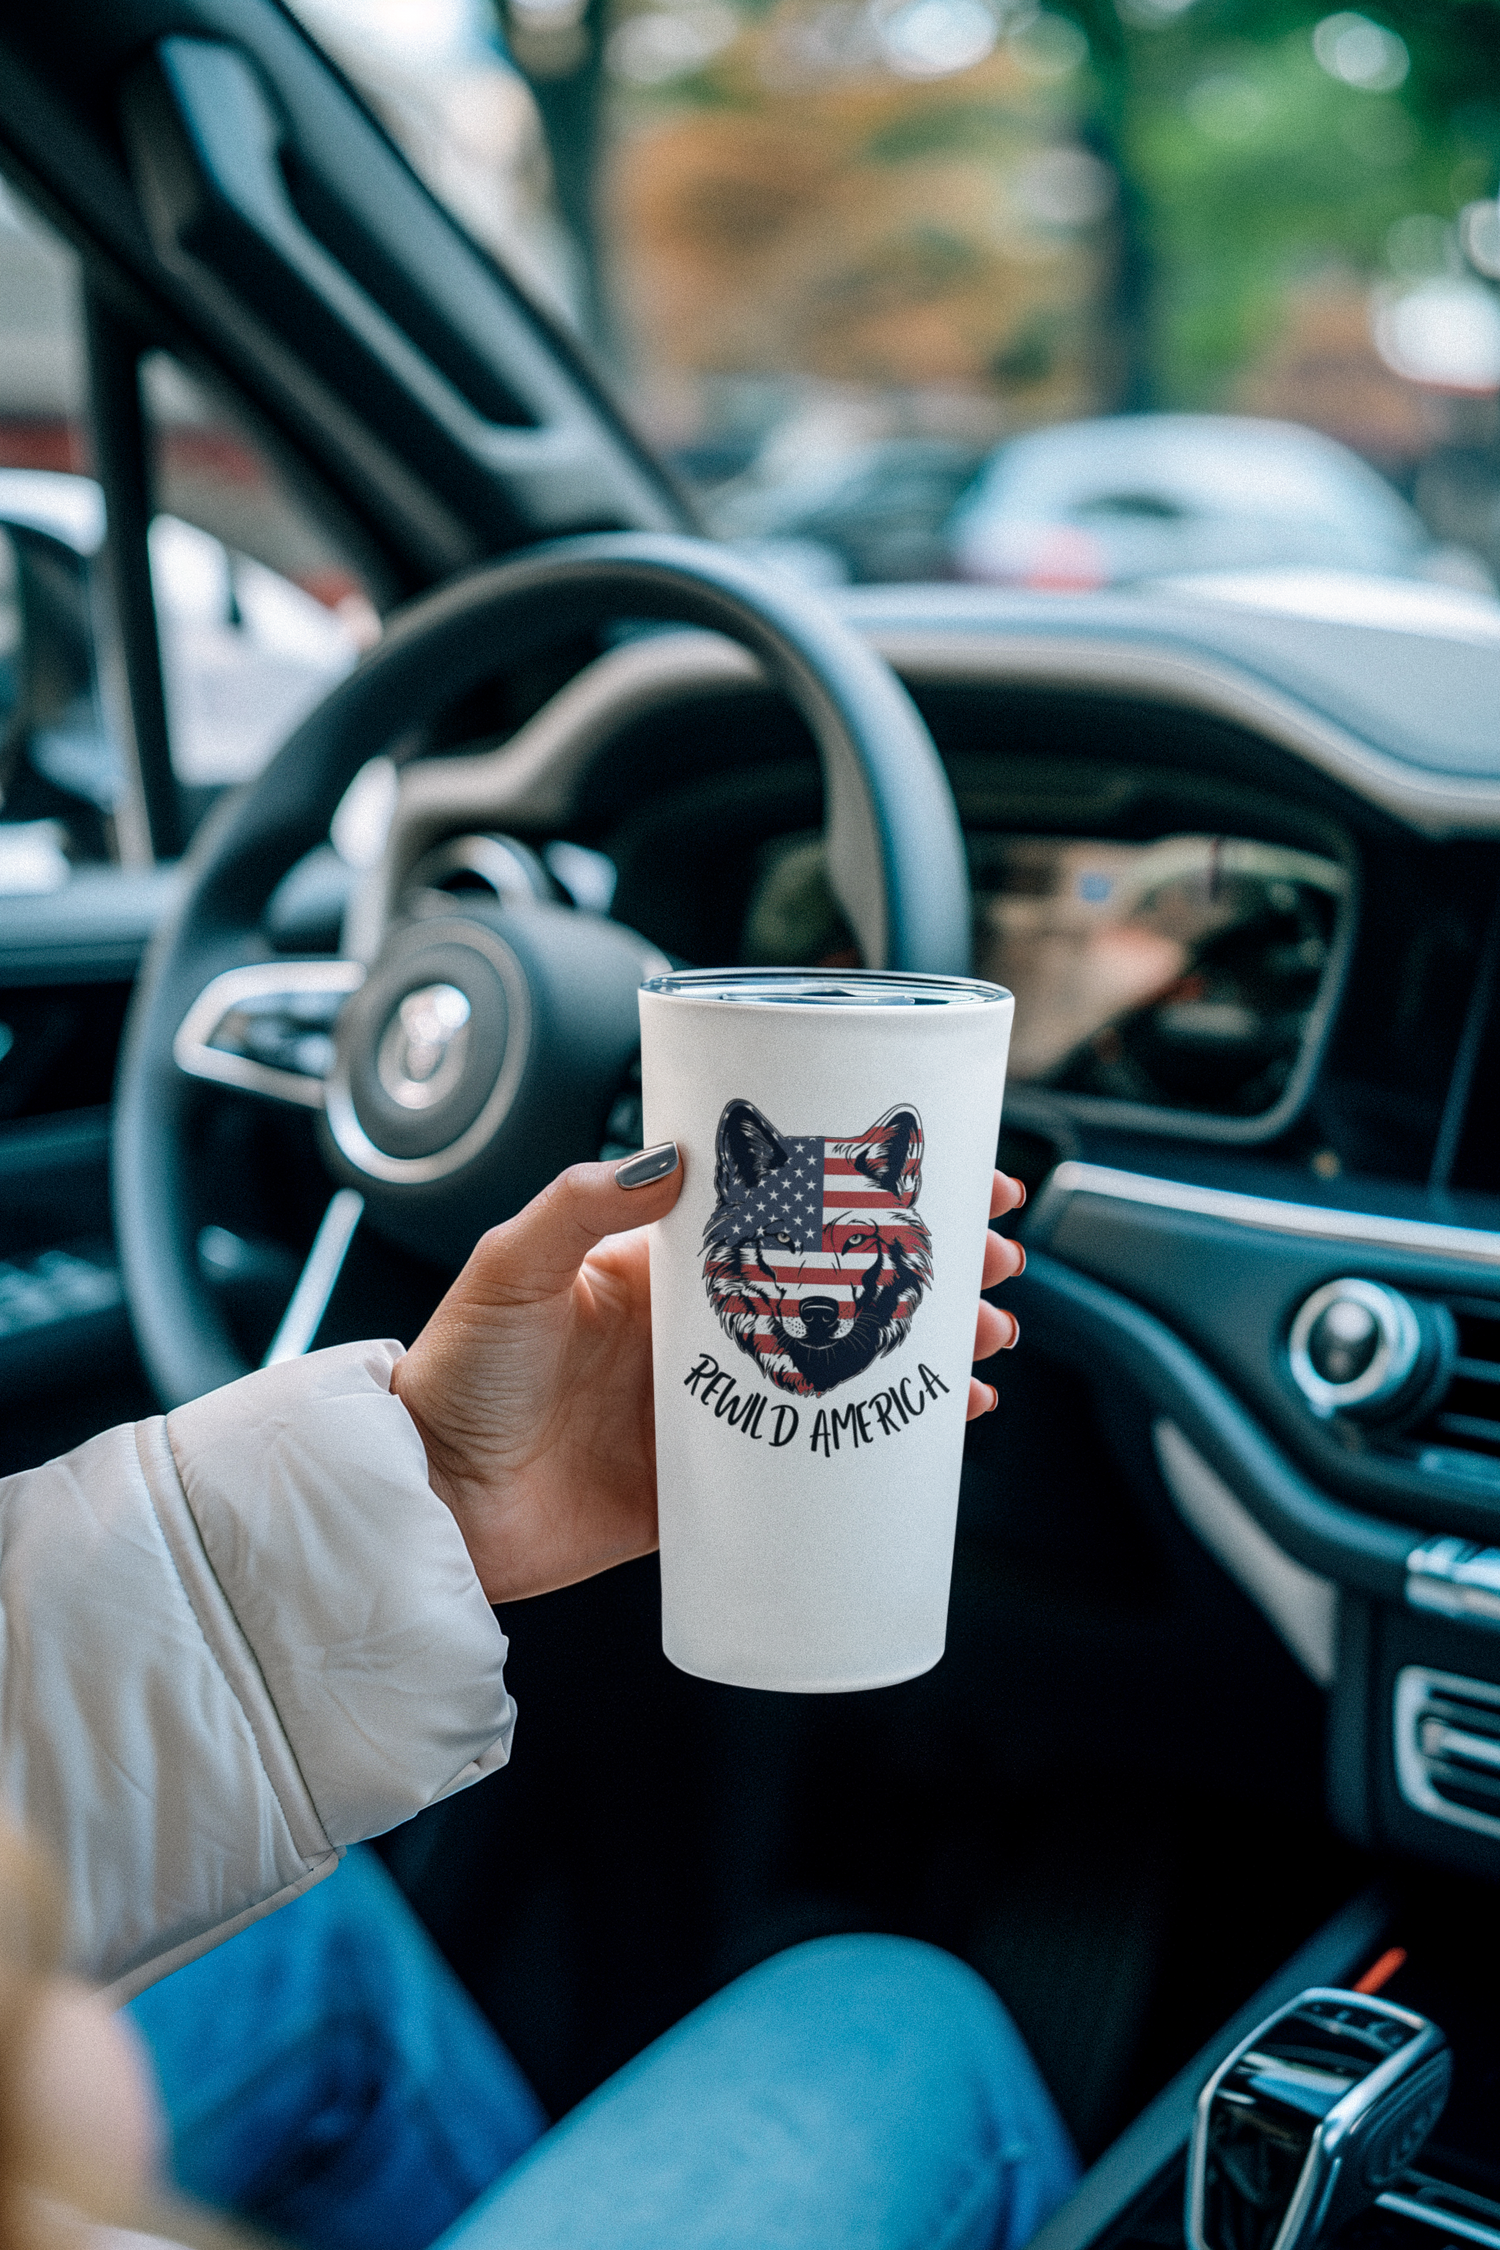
1241 868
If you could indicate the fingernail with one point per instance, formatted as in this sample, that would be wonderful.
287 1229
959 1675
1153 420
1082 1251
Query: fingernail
1015 1335
651 1164
994 1398
1021 1198
1021 1268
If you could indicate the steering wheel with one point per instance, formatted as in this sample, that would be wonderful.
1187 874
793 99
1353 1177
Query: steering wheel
482 1048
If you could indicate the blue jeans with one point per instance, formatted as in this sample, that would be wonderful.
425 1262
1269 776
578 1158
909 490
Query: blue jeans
326 2076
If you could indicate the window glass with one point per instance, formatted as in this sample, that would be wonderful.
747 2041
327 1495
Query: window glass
258 612
439 77
889 277
43 380
61 776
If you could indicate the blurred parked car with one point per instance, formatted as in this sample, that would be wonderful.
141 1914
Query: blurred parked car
879 508
245 655
1146 496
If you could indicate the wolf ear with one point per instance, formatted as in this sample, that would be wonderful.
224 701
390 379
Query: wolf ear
891 1152
749 1147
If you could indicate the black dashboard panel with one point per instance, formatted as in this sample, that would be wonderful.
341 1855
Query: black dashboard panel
1117 727
1232 1289
1054 762
1181 1316
1383 689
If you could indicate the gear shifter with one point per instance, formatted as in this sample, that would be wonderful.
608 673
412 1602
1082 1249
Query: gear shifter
1310 2119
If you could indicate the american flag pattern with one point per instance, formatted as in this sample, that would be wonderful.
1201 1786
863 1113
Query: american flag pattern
816 1257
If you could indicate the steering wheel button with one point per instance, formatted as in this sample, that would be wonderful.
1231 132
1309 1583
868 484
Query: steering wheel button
424 1041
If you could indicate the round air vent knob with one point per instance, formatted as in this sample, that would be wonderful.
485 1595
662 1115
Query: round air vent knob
1343 1340
1359 1347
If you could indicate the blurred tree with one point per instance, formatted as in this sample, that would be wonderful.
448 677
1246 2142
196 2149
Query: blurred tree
1254 165
1259 174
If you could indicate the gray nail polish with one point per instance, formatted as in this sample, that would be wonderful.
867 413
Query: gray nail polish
651 1164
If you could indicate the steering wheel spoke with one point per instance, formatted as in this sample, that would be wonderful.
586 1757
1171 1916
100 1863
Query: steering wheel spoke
309 1301
267 1028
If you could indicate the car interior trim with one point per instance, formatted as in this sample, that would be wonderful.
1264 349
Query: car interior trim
162 156
1429 1737
1456 1578
193 1050
152 828
1159 2136
1468 1059
502 403
94 928
531 780
1301 1606
1440 804
1085 1324
1468 1245
1420 2066
199 111
1397 1350
1440 2217
318 1279
64 1145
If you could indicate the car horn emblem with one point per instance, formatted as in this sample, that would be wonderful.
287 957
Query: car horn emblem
424 1046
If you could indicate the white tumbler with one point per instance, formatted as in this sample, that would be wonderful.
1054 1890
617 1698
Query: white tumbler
813 1298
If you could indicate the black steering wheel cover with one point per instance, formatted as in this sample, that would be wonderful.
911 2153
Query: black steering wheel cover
432 653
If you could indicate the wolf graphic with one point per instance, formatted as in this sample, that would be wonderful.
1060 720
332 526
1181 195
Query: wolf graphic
815 1258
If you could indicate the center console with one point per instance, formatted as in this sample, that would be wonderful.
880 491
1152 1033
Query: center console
1425 1953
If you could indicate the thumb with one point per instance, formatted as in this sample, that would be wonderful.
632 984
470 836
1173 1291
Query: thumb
540 1250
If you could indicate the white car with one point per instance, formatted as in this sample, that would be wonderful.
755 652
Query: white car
1131 497
245 652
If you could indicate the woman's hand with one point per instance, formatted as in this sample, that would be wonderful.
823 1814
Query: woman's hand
531 1384
997 1331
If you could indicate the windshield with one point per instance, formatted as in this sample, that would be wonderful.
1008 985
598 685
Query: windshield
1054 297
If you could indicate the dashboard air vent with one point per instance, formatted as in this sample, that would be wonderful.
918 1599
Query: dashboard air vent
1460 1436
1448 1747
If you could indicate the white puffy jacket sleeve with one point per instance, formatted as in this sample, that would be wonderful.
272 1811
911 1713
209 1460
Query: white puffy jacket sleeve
236 1639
